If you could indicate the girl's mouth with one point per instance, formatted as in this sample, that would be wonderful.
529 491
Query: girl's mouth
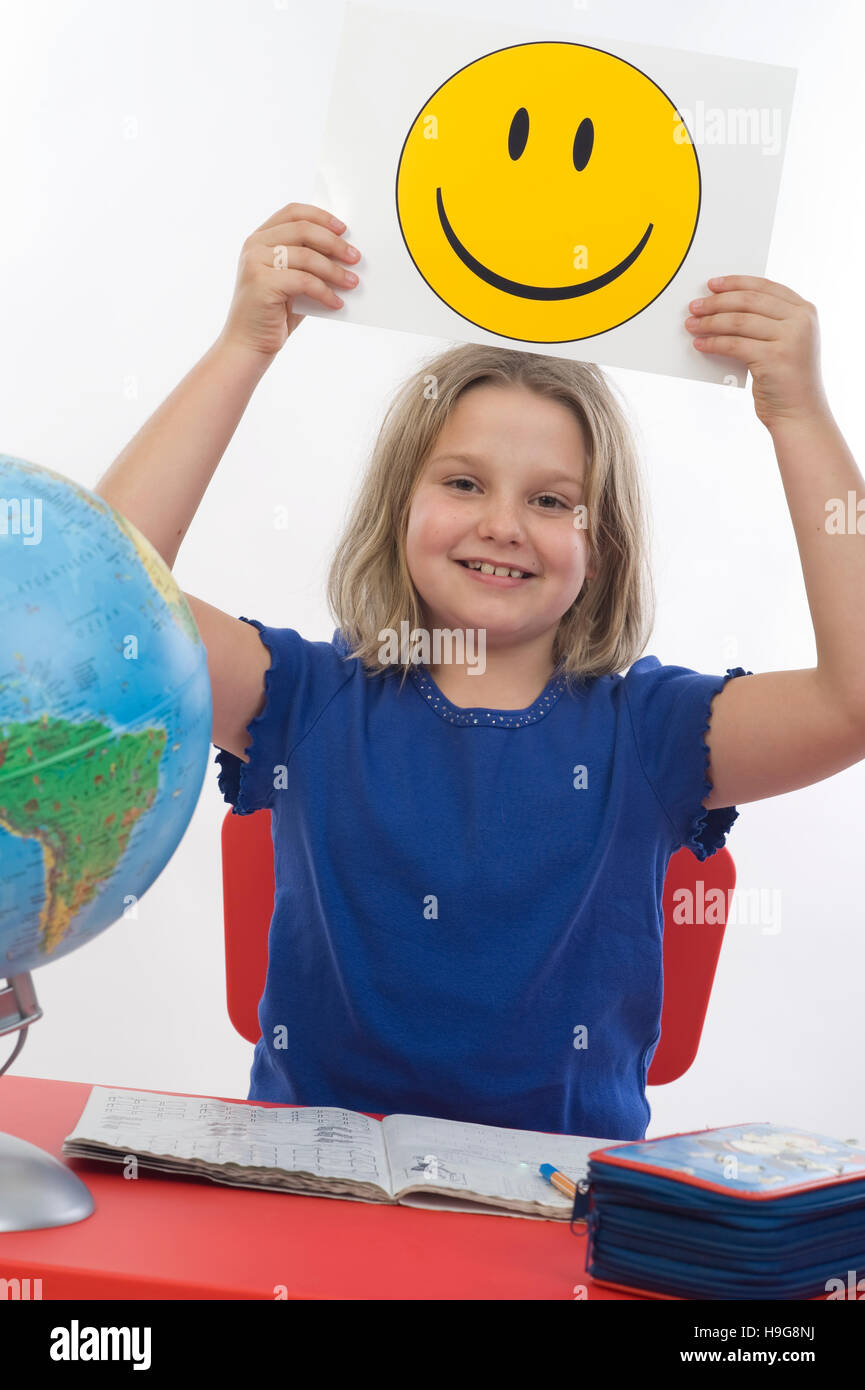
502 581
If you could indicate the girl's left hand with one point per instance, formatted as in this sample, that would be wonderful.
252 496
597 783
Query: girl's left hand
774 332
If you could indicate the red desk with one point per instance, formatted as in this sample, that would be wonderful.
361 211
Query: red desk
160 1236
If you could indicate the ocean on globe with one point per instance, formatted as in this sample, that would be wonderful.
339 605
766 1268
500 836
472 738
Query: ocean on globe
105 715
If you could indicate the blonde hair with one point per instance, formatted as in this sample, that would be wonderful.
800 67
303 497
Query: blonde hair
369 587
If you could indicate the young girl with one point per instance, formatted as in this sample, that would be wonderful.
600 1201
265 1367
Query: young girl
470 850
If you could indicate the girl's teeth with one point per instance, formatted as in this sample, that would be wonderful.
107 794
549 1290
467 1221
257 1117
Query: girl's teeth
495 569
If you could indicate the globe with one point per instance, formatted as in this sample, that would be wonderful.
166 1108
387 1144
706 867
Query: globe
105 716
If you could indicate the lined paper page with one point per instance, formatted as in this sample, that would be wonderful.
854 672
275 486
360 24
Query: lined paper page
322 1140
492 1162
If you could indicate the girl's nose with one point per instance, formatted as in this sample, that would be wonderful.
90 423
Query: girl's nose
501 521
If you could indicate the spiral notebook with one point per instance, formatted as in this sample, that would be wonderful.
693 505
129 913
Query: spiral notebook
414 1160
746 1211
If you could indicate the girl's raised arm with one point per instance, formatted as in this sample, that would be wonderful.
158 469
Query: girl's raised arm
159 479
778 731
237 661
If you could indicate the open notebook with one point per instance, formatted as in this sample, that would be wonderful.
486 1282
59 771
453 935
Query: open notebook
415 1160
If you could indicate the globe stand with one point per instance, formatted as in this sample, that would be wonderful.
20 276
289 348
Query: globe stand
36 1189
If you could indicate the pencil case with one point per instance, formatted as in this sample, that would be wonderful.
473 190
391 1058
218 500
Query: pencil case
752 1211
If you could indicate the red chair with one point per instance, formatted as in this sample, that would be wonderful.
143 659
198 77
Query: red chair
691 948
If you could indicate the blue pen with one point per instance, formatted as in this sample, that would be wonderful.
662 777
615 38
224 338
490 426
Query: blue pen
558 1180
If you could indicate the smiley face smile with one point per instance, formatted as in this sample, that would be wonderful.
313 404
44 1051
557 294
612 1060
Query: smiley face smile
501 282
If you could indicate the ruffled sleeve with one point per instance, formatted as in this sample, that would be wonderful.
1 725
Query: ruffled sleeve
670 710
301 679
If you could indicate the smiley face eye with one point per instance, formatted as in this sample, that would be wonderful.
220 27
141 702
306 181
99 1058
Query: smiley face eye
583 142
518 133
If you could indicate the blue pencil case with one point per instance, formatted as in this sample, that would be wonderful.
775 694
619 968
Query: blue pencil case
751 1211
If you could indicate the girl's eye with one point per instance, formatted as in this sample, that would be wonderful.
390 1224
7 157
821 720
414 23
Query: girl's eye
454 481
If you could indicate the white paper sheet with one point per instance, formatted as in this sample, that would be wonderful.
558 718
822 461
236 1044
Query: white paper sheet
486 1159
322 1140
447 1160
391 63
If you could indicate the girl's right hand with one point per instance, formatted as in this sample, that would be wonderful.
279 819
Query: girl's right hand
298 251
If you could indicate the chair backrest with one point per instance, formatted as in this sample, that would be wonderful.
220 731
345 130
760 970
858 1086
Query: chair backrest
690 951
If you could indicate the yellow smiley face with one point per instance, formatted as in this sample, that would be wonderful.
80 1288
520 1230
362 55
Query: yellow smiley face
548 192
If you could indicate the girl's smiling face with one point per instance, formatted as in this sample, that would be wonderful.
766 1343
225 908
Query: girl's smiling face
501 483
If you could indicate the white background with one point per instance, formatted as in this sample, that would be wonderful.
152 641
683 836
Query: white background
141 143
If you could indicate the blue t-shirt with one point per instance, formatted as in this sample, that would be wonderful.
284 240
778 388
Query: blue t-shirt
467 919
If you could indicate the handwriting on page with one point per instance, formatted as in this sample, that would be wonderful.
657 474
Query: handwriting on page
320 1140
485 1159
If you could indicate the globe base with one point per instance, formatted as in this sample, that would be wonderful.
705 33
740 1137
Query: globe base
37 1190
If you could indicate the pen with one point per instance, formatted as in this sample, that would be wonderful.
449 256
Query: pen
558 1180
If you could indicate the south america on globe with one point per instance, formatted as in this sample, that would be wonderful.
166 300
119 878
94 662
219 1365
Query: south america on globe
105 715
